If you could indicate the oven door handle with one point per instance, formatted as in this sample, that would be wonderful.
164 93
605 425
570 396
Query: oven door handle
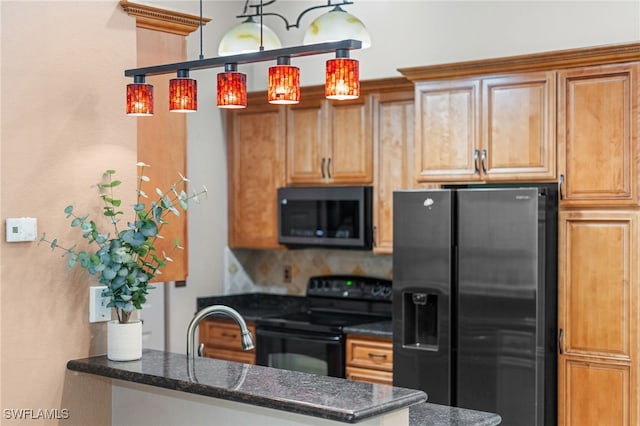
298 336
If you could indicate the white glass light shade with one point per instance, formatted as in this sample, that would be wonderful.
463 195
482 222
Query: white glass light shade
337 25
245 38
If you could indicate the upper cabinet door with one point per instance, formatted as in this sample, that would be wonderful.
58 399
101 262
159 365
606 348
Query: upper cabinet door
597 135
447 130
306 142
350 141
255 154
518 127
329 142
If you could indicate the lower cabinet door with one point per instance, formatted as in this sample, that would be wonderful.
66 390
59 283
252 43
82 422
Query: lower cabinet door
593 393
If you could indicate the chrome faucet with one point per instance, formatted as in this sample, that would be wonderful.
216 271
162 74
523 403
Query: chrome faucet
246 338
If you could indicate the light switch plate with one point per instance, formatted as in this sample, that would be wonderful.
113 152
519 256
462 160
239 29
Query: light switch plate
21 229
98 311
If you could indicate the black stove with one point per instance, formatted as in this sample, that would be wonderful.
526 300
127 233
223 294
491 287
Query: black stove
313 341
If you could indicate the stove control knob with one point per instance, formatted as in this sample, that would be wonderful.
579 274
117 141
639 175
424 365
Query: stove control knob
386 292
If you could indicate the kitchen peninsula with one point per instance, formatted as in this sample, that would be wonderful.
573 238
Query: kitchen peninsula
162 390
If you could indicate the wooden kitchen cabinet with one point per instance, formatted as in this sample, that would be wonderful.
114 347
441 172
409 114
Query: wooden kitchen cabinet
369 359
598 317
486 129
597 135
393 115
255 157
222 340
329 142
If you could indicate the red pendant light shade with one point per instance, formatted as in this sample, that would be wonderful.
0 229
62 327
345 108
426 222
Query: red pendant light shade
232 88
139 97
284 83
183 93
342 81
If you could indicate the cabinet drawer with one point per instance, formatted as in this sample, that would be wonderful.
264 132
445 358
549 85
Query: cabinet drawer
248 357
370 376
222 334
370 353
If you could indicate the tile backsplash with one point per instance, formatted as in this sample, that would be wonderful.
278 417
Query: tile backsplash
263 270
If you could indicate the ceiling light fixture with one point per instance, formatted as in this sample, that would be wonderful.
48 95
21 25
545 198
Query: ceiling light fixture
284 83
284 80
342 80
139 97
183 93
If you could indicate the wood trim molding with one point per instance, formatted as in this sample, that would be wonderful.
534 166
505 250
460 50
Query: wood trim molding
390 84
168 21
569 58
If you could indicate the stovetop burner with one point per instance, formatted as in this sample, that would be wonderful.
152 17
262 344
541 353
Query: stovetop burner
338 301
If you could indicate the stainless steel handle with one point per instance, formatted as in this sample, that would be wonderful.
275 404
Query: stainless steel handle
476 169
560 187
201 349
560 337
322 167
482 161
329 167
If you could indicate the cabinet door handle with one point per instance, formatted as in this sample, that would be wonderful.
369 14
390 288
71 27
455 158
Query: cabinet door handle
382 356
228 335
560 187
476 169
329 167
375 236
322 167
560 337
482 161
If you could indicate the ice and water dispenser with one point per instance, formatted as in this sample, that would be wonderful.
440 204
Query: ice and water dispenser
420 323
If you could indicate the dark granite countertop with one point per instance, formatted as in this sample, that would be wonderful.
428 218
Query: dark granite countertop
253 306
426 414
374 329
295 392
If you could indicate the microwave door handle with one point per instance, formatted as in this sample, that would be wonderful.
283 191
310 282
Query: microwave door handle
298 336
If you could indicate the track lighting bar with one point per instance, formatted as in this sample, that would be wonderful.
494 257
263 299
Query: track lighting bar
246 58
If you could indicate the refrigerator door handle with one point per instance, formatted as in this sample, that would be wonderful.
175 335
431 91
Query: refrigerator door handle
560 336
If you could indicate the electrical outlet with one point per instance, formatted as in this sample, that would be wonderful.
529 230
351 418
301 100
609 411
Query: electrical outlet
286 274
98 310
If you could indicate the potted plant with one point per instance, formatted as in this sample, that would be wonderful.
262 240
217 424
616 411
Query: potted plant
126 260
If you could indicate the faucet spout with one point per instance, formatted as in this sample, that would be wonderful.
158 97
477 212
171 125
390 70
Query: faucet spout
246 339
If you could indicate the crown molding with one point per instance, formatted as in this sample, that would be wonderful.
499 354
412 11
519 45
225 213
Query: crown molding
168 21
569 58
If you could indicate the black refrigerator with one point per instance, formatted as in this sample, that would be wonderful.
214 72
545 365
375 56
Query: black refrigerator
475 298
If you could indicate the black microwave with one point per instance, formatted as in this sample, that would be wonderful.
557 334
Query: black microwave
328 216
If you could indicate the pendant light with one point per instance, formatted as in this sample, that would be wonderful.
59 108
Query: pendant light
183 93
232 88
139 97
342 79
284 83
249 36
336 25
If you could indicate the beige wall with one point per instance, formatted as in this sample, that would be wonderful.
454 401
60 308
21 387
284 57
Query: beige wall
62 125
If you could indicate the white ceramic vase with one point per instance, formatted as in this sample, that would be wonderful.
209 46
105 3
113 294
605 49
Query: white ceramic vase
124 341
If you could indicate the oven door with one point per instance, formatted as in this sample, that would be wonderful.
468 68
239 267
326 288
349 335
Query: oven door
300 350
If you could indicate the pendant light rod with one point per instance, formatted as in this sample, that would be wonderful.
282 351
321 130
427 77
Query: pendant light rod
247 58
258 11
